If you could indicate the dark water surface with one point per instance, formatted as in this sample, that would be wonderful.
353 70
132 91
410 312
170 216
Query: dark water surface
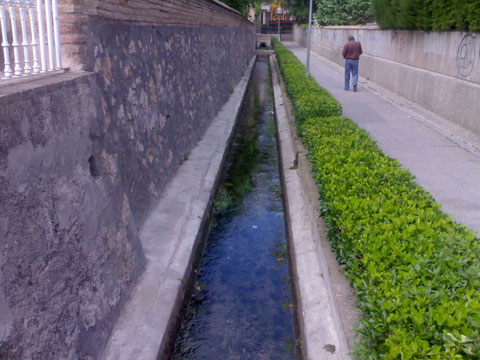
241 304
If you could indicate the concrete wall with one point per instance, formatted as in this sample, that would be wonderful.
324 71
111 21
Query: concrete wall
85 156
438 70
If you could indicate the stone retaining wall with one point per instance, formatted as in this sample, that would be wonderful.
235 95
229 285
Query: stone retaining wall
75 15
162 86
68 238
85 156
438 70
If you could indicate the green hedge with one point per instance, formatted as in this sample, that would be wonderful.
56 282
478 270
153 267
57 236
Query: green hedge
309 99
438 15
416 272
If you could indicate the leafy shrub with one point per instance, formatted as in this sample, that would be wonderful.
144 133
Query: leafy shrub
300 9
344 12
428 15
416 272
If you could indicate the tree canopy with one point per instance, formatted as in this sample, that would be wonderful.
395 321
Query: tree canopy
299 9
427 15
344 12
243 5
332 12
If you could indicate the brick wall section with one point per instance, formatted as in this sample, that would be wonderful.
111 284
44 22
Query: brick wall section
74 16
192 13
74 32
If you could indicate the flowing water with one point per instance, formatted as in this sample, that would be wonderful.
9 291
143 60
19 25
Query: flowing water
240 306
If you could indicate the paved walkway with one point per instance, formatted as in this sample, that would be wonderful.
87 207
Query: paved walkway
444 158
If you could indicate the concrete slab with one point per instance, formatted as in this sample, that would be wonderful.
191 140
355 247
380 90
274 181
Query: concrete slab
444 157
264 52
320 326
264 38
170 237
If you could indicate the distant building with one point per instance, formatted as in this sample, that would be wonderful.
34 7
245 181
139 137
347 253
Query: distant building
269 16
269 13
265 15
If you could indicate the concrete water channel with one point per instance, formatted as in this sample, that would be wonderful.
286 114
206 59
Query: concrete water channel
220 281
240 305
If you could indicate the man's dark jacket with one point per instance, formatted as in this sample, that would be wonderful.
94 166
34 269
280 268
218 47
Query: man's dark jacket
352 50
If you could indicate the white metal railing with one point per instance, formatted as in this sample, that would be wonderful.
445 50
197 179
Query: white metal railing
30 13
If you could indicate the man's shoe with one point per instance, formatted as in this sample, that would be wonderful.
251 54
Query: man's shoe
355 88
347 89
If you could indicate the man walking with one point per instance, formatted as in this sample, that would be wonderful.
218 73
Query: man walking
351 53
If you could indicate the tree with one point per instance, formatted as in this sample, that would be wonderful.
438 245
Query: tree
427 15
300 9
242 5
344 12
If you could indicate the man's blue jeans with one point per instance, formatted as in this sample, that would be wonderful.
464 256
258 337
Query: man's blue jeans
351 66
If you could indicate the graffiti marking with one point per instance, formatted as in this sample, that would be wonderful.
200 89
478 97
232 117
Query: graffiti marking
466 55
401 44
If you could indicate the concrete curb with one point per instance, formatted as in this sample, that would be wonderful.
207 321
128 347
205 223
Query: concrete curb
320 327
170 237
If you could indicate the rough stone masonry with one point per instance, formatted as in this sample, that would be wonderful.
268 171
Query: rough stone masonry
85 156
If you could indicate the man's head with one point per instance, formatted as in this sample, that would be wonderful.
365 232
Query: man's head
351 38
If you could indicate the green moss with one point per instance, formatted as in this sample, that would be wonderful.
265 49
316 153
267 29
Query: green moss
238 179
240 166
